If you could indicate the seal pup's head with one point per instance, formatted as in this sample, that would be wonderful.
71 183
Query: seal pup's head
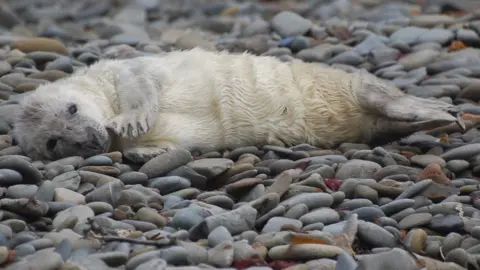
61 119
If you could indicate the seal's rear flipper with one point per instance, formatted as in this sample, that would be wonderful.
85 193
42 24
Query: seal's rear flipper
400 114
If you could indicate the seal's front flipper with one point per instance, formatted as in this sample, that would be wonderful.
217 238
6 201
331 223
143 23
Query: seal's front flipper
131 124
137 93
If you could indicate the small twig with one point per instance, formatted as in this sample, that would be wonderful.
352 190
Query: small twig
441 253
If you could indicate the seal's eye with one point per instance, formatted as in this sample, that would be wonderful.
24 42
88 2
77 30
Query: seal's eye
72 108
51 144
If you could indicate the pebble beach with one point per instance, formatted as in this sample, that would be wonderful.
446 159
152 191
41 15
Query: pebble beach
413 204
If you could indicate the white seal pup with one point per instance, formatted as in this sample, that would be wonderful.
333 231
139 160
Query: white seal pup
205 101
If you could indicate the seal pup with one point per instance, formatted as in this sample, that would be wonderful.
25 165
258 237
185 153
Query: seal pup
206 101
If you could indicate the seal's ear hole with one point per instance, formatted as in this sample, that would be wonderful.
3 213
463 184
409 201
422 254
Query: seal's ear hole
72 108
51 143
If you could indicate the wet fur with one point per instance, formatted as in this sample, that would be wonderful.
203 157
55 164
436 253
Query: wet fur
204 101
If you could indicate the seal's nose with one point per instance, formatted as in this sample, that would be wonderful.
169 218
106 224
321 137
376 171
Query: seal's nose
94 140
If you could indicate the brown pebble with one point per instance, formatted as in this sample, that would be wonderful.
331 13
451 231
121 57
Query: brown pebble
25 87
418 237
115 156
434 171
39 44
49 75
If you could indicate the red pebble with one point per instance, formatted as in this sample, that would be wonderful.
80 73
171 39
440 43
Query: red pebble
332 183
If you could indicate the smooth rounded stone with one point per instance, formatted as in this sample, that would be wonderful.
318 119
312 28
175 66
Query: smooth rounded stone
10 177
288 23
452 241
394 259
323 215
368 213
281 184
463 152
21 191
471 92
457 165
98 160
221 201
210 167
222 255
23 250
84 261
415 220
131 197
82 212
49 75
387 221
174 255
419 59
62 63
16 225
100 207
296 211
109 193
366 192
396 169
425 160
39 44
64 248
218 235
30 174
74 161
357 168
350 58
42 259
152 216
112 258
153 264
375 235
397 206
280 165
165 162
402 214
354 204
186 219
304 252
415 189
107 170
56 171
197 180
235 221
67 195
458 256
41 243
275 224
446 224
311 200
133 178
169 184
416 240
